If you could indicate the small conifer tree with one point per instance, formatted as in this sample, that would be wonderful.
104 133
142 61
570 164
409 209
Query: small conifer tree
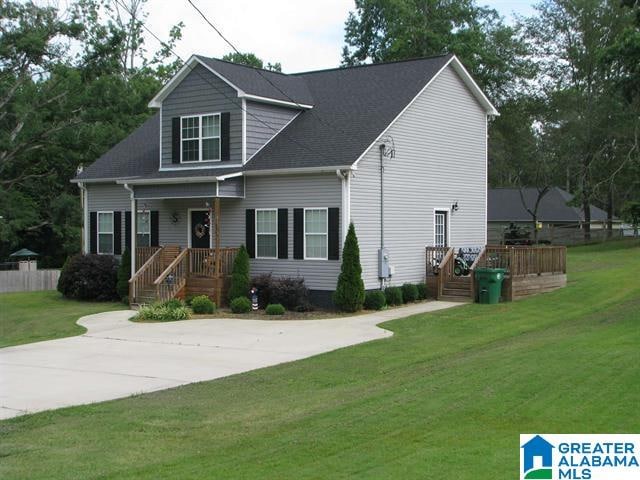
349 294
240 280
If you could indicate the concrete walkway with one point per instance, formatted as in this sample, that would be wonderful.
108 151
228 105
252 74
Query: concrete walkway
117 358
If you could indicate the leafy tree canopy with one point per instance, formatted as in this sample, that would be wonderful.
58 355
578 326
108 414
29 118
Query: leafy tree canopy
251 60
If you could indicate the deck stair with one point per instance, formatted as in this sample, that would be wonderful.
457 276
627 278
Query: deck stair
457 289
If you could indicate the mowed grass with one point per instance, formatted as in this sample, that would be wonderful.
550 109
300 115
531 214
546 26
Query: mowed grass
445 397
34 316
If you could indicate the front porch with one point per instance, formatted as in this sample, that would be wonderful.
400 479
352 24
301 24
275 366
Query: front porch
176 272
529 270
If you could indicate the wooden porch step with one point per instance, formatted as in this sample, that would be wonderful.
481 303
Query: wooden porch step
455 298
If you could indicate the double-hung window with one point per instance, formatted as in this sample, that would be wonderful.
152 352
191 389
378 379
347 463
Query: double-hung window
316 233
200 138
267 233
143 229
105 233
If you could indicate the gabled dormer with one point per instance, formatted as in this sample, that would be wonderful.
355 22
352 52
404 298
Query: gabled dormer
215 114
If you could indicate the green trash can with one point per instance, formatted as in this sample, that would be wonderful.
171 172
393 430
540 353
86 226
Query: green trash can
489 284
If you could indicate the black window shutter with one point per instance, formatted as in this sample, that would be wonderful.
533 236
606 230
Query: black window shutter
298 233
175 140
250 232
283 233
93 232
117 233
155 229
127 230
225 120
334 234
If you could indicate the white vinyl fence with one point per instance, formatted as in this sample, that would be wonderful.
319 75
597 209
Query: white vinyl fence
28 281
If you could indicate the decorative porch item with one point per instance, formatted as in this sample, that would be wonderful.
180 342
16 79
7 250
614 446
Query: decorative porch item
254 298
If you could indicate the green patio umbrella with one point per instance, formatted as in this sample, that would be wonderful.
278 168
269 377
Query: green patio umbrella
23 253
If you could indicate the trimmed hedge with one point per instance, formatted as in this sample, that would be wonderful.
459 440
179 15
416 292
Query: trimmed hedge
275 309
163 312
202 304
409 293
393 295
89 277
263 284
422 290
288 291
240 305
375 300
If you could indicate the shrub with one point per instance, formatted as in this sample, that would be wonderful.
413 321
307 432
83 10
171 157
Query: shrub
240 275
263 284
349 294
375 300
173 303
89 277
409 293
275 309
202 304
290 292
163 312
241 305
188 299
422 290
124 274
393 295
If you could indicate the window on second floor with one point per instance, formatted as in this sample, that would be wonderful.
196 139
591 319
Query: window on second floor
200 138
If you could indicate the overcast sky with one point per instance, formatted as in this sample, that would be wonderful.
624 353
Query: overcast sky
300 34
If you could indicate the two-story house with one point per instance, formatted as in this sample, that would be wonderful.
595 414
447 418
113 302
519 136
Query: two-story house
283 163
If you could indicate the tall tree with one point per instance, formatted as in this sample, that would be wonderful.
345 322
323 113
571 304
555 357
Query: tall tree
251 60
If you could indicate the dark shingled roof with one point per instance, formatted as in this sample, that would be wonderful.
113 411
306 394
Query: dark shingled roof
505 205
351 107
254 81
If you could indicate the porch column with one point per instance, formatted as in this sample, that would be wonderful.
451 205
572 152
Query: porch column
219 281
134 215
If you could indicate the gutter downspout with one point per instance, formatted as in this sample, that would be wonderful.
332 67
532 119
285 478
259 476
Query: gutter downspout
382 149
345 176
85 215
134 218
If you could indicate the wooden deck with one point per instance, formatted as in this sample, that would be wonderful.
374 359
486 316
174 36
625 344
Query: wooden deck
173 272
529 270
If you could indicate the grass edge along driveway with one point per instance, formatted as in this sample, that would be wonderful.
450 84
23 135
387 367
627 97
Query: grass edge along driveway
445 397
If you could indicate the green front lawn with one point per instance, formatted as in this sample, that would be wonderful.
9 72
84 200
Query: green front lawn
34 316
445 397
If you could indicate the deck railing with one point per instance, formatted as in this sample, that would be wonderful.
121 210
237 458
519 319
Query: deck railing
174 277
526 260
143 254
435 255
145 276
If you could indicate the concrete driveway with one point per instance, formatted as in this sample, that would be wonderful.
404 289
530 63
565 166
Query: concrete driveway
117 358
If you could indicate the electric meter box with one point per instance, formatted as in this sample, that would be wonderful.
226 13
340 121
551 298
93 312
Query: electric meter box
384 268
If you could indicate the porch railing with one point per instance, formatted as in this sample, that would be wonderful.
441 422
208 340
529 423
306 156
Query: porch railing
434 259
143 254
146 275
202 261
174 277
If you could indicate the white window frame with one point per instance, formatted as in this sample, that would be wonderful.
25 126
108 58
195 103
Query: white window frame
304 229
256 231
447 227
98 232
148 213
200 138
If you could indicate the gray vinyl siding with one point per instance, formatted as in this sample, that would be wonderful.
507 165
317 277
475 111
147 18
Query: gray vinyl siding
440 158
202 92
285 191
232 187
278 191
108 198
263 122
178 190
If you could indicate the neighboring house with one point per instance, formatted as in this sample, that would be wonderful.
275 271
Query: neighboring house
560 221
287 161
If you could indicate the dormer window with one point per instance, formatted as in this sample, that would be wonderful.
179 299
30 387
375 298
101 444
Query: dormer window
200 138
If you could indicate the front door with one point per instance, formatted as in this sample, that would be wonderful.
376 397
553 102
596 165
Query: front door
441 229
200 229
